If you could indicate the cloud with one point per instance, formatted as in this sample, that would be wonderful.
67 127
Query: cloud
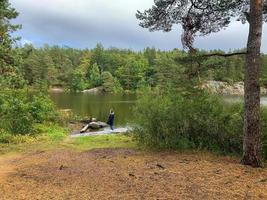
83 23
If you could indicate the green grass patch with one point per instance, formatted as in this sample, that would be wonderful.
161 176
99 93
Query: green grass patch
45 136
101 141
51 132
51 136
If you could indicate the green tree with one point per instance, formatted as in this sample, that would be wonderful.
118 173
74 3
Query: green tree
94 76
98 56
110 84
79 76
132 72
204 17
9 70
168 72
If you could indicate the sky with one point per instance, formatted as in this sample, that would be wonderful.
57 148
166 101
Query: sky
84 23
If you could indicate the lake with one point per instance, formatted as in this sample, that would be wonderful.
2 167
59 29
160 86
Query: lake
98 105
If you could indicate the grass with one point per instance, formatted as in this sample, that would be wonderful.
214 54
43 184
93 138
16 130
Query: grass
52 136
101 141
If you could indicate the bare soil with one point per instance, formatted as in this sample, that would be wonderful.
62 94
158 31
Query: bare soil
128 174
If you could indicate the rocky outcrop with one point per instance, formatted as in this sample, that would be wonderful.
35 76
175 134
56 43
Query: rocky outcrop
93 90
56 89
226 88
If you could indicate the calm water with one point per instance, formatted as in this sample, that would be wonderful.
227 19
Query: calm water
235 99
97 105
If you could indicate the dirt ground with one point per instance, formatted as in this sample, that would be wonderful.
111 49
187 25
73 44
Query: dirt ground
128 174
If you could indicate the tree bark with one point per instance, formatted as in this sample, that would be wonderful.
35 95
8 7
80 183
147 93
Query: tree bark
251 142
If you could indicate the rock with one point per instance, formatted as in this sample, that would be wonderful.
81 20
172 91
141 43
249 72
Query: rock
56 89
102 124
93 90
94 125
226 88
97 125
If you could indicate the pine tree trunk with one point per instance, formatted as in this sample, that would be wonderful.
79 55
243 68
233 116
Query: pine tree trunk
251 143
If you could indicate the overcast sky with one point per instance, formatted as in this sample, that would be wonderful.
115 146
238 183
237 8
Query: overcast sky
83 23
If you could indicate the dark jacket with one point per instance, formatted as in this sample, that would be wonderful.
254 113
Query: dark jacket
111 119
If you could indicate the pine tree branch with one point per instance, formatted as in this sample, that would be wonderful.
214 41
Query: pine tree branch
223 54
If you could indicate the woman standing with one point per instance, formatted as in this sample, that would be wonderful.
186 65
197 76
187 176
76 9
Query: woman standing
111 119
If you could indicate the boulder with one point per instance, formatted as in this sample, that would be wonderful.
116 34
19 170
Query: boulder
94 90
94 125
225 88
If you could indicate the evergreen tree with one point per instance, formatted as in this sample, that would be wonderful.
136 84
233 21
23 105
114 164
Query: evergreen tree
78 79
204 17
98 56
132 72
110 83
94 76
9 71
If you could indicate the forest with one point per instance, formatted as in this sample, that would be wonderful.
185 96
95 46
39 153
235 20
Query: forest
119 70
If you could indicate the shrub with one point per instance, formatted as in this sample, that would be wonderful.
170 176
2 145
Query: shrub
195 120
4 136
42 109
19 110
15 116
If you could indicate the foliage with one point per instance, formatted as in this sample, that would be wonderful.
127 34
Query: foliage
51 132
80 69
19 111
77 69
110 84
49 135
15 116
132 72
42 108
203 17
77 81
196 17
190 121
10 74
94 76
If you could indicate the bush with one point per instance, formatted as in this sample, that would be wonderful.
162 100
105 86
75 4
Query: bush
4 136
191 121
15 116
42 109
19 110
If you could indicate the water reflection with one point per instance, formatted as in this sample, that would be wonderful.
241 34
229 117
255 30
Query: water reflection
97 105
